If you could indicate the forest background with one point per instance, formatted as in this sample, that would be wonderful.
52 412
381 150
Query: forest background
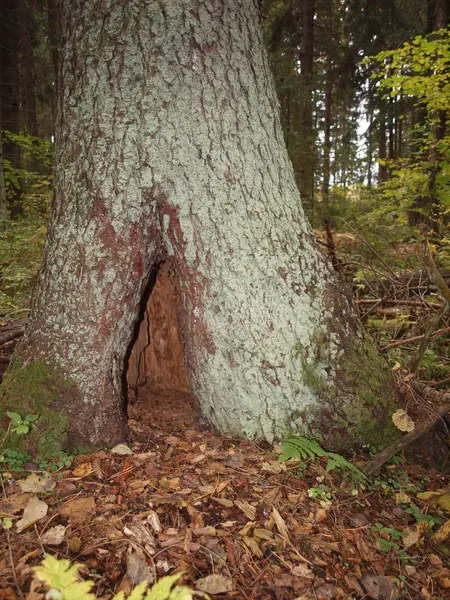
364 94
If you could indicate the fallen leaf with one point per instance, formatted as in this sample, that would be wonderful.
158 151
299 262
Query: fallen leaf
121 450
17 502
35 509
83 470
279 522
327 591
443 533
54 536
79 509
223 501
215 584
154 521
248 510
236 460
137 567
37 484
402 420
252 544
378 587
411 538
302 570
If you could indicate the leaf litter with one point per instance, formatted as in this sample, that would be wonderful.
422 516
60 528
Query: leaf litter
238 522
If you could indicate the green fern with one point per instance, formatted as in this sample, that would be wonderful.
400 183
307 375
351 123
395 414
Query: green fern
300 448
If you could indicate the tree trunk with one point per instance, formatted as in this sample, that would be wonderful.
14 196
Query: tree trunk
170 152
3 209
27 71
9 96
307 141
382 150
327 138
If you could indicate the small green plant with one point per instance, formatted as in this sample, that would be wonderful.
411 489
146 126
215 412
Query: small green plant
62 578
321 493
301 448
21 425
420 517
393 534
13 459
54 463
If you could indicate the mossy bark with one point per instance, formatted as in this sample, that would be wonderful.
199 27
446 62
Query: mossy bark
40 390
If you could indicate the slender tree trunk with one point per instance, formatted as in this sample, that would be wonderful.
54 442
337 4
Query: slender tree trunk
382 150
307 142
27 71
9 96
170 150
3 207
327 138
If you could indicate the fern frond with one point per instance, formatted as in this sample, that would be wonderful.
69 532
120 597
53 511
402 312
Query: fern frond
299 448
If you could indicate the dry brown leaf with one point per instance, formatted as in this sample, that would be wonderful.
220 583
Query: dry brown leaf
236 460
215 584
79 509
279 522
411 538
37 484
153 520
209 531
263 534
302 570
83 470
35 509
443 533
137 567
54 536
253 546
223 501
248 510
18 501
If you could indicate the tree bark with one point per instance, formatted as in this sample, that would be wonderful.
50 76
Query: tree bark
9 97
307 142
327 138
170 151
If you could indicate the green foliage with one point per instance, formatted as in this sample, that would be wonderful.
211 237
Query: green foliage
21 247
13 460
420 68
391 533
21 425
65 584
298 447
321 493
22 237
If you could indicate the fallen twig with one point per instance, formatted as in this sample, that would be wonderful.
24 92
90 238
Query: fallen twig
416 338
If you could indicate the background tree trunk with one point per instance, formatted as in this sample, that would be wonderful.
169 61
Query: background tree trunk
169 150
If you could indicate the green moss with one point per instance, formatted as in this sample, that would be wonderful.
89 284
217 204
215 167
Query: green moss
310 358
355 404
35 389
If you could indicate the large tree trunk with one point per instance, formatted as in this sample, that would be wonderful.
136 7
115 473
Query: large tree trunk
169 150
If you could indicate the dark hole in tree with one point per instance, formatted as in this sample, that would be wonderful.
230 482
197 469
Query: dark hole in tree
155 380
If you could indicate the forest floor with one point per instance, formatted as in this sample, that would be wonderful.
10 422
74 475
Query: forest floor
238 522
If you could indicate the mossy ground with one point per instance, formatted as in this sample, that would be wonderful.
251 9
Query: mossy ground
35 389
